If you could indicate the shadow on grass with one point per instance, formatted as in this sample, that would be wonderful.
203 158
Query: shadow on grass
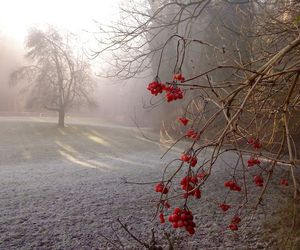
87 146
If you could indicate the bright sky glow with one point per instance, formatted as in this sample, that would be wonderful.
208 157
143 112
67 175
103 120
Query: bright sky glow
17 16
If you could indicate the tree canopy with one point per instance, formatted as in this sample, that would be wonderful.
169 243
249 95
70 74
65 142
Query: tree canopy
58 78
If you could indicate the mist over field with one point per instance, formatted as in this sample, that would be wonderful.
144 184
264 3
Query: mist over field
149 124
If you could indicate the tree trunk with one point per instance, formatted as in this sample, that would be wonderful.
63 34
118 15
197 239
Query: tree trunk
61 118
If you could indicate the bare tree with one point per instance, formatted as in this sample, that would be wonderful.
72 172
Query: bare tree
57 78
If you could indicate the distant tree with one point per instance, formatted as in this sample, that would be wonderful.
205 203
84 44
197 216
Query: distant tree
57 78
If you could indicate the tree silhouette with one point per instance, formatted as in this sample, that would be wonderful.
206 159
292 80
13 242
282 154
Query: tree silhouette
57 79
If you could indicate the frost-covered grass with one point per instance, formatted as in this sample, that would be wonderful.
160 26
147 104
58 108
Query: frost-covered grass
62 188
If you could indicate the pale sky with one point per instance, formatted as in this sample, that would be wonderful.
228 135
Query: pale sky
16 16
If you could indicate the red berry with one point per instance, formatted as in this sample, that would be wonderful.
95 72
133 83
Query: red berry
177 210
191 230
252 161
236 188
251 141
258 180
193 161
161 218
284 182
192 134
180 223
161 188
232 185
185 157
197 194
255 143
183 120
155 87
224 207
233 227
236 220
175 217
183 216
172 94
178 77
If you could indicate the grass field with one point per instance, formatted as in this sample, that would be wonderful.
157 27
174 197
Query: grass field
62 188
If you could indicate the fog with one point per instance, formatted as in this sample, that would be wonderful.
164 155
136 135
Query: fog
120 101
116 112
10 59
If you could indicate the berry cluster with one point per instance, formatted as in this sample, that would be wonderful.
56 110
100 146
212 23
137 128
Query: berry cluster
189 185
233 226
224 207
232 185
253 161
173 94
162 218
183 218
258 180
189 159
156 88
161 188
255 143
192 134
284 182
185 157
178 77
184 121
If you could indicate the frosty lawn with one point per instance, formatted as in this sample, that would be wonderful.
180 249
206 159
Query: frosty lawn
63 189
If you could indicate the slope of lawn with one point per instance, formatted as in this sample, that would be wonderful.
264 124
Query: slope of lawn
63 188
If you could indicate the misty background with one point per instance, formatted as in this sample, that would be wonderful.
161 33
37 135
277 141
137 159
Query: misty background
117 100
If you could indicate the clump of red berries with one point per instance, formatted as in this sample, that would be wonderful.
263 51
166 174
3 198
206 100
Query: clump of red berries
161 188
155 88
192 134
183 219
178 77
253 161
255 143
185 157
189 185
162 218
233 226
258 180
192 160
224 207
173 94
232 185
284 182
183 120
